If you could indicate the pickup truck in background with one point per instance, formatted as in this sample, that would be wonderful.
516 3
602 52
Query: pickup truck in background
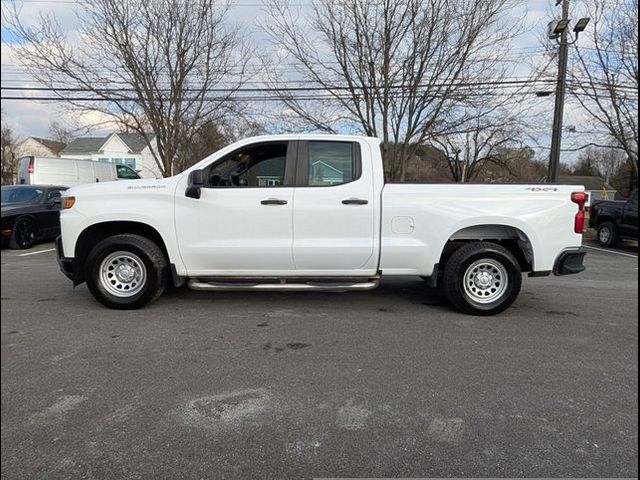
313 212
615 220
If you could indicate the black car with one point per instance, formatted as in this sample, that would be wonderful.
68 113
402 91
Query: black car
30 213
615 220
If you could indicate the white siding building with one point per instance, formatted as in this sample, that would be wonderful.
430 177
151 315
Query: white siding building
38 147
124 148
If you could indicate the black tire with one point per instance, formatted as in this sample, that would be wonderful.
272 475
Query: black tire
134 247
486 262
24 233
608 235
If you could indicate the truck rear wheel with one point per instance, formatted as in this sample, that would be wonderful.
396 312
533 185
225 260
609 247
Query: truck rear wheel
482 278
126 271
607 235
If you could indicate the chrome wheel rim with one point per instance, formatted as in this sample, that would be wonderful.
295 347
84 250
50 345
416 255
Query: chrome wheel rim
485 281
122 274
604 234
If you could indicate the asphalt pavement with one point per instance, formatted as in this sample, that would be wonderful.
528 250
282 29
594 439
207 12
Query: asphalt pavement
391 382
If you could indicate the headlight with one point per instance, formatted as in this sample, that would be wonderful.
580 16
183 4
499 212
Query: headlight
67 202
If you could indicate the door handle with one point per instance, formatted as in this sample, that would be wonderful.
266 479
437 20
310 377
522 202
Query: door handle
354 201
273 201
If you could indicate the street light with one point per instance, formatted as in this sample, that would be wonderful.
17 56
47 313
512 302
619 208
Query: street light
581 25
561 26
559 31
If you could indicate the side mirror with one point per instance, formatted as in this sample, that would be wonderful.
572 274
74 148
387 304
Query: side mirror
54 202
196 182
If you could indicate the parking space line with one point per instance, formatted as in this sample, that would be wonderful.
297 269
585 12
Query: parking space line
35 253
611 251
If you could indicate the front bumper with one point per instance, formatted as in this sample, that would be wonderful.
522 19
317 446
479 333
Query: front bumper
570 262
66 264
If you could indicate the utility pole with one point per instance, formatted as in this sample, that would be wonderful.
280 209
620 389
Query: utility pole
556 138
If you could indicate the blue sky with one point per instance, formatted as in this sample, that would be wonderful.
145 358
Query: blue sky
34 118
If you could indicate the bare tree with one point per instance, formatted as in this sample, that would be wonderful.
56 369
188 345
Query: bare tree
395 69
606 78
478 144
149 66
516 165
604 162
60 133
488 130
9 163
212 135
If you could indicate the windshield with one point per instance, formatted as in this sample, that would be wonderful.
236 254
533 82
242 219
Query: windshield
11 195
126 173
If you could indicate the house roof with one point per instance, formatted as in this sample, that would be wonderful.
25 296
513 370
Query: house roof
135 141
589 182
52 145
327 165
85 145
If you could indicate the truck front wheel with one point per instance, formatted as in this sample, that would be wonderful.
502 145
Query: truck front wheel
126 271
482 278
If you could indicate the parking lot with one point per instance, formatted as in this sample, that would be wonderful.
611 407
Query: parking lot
391 382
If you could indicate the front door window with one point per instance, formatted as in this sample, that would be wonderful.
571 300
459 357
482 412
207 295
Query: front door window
260 165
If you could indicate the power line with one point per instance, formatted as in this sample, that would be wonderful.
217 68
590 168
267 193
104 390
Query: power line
493 85
84 2
260 99
294 89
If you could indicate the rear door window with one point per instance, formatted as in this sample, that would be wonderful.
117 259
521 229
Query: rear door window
326 164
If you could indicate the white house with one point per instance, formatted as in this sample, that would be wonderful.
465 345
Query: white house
125 148
38 147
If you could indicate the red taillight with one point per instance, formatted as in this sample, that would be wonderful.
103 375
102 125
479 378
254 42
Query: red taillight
31 168
579 198
578 226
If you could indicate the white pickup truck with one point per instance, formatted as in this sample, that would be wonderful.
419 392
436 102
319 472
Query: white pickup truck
313 212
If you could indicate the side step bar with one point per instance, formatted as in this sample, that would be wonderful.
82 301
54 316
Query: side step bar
298 287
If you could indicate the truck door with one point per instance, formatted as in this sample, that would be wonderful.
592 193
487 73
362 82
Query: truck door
334 214
630 216
242 223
